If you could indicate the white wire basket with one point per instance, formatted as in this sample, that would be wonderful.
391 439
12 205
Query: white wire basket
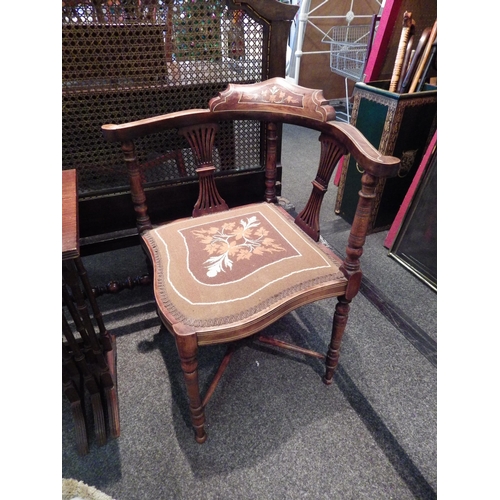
348 46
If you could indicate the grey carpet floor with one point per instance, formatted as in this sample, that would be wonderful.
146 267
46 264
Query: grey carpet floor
275 430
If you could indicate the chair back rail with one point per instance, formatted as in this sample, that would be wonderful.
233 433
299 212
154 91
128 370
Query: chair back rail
368 157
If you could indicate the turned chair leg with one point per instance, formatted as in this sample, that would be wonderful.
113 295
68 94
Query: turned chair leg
339 322
187 347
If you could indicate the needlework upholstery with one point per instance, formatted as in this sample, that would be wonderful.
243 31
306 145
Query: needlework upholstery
225 267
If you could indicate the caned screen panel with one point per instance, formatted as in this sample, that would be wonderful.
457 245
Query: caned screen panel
125 60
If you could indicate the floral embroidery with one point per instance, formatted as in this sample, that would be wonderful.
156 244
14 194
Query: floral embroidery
230 241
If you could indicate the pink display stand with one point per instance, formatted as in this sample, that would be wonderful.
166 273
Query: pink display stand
398 220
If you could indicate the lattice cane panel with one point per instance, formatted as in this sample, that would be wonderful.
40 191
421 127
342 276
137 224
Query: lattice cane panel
124 60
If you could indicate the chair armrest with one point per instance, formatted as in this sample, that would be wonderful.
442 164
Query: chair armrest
139 128
367 156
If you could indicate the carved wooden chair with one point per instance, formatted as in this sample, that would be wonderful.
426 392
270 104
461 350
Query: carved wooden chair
227 273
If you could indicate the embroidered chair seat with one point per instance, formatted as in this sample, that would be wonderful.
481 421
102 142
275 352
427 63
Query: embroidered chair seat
216 272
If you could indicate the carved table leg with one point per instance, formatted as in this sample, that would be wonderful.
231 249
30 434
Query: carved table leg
74 393
97 347
104 335
187 347
339 323
90 383
108 370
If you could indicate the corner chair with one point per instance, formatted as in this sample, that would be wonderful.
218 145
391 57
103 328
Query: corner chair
224 273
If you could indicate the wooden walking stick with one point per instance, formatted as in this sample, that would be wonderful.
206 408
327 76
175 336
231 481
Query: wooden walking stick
403 41
410 50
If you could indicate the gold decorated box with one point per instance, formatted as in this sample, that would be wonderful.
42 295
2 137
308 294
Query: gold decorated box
400 125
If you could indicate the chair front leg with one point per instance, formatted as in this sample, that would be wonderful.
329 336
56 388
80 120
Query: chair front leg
187 347
339 323
352 270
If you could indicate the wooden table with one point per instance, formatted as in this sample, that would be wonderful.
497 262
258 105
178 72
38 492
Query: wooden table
88 356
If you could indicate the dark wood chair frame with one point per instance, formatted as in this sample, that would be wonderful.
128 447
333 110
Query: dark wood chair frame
272 102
